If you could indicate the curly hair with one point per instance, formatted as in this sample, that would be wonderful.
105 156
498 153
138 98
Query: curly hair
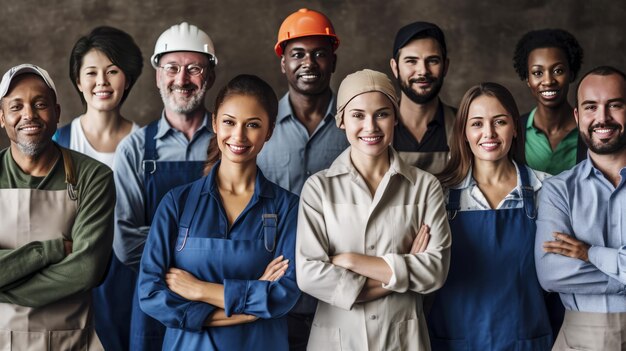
547 38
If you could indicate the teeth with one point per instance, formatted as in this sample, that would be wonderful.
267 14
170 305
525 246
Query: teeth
182 91
309 76
603 131
548 93
237 148
489 144
102 94
370 139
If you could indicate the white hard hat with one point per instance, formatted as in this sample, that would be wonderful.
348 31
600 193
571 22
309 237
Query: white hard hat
183 37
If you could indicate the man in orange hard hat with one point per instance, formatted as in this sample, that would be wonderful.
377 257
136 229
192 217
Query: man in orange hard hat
306 139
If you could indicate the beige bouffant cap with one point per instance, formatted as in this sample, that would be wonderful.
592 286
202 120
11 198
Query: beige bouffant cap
361 82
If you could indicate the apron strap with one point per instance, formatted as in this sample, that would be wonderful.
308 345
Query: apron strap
528 193
454 203
189 211
270 224
70 176
149 150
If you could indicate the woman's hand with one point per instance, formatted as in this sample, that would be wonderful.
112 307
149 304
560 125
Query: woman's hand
185 284
420 243
275 269
566 245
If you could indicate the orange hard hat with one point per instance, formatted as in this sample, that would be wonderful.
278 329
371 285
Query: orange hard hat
304 23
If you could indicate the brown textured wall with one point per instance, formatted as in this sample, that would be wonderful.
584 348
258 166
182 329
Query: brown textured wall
481 36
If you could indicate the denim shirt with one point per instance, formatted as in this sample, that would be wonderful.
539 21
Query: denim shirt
582 203
292 155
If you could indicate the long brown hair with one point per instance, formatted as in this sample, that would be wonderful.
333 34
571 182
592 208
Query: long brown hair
243 84
461 156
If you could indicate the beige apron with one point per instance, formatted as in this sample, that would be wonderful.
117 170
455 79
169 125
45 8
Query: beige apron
34 215
592 331
432 162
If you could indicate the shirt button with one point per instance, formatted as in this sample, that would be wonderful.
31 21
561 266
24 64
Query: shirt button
308 173
371 247
373 317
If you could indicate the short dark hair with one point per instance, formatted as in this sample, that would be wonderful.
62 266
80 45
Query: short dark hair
599 71
117 45
246 85
547 38
419 30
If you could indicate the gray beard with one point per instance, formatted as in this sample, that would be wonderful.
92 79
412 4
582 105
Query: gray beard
31 149
183 108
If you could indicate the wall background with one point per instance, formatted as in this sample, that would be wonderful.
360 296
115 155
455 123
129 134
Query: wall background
481 35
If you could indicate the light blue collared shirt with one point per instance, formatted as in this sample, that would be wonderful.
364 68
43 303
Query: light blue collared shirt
292 155
581 202
131 229
472 199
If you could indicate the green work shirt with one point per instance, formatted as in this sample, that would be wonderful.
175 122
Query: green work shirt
539 153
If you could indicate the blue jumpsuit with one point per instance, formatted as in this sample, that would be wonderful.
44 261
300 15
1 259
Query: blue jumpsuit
190 231
491 299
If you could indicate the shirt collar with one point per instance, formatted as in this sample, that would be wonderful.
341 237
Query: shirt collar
531 118
262 187
165 126
343 165
535 183
285 110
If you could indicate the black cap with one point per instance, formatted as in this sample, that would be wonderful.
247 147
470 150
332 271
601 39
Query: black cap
408 32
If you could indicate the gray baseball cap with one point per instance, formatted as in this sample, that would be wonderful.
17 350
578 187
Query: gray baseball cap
22 69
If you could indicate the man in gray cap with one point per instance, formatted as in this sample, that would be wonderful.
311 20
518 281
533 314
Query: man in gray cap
56 210
166 153
420 63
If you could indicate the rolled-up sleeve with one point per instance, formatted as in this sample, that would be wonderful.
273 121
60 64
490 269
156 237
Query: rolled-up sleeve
424 272
316 275
266 299
155 298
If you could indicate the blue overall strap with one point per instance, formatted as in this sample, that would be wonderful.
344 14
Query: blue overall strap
528 193
149 149
63 135
270 225
189 211
454 203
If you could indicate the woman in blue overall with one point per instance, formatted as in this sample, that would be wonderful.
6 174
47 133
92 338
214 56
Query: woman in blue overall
202 271
104 66
491 299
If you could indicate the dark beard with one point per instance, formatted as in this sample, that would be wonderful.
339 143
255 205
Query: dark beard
602 148
417 98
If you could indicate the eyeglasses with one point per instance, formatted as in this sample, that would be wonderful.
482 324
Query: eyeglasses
172 69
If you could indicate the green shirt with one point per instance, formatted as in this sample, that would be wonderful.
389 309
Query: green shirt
39 273
539 153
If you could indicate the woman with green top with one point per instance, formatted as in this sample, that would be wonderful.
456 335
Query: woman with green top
548 61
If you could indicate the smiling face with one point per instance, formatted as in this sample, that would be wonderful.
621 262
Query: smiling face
308 63
420 69
242 126
101 82
368 120
601 113
184 93
549 76
489 130
29 114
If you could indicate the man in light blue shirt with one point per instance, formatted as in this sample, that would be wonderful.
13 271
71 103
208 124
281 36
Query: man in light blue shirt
162 155
306 139
580 247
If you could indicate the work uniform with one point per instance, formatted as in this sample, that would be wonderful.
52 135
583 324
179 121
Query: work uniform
191 232
45 298
491 299
337 215
149 163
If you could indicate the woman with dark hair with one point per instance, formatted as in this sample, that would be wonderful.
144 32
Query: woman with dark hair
548 60
211 240
491 299
104 66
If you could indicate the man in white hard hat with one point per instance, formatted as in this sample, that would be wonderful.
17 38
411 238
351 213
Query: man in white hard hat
166 153
56 223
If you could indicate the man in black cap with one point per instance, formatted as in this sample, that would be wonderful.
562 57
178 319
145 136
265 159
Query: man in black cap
420 64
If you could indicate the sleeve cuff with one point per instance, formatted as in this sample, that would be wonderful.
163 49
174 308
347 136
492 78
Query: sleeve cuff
195 316
399 281
347 290
53 250
235 296
604 258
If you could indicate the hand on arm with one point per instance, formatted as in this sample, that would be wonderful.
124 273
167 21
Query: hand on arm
568 246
